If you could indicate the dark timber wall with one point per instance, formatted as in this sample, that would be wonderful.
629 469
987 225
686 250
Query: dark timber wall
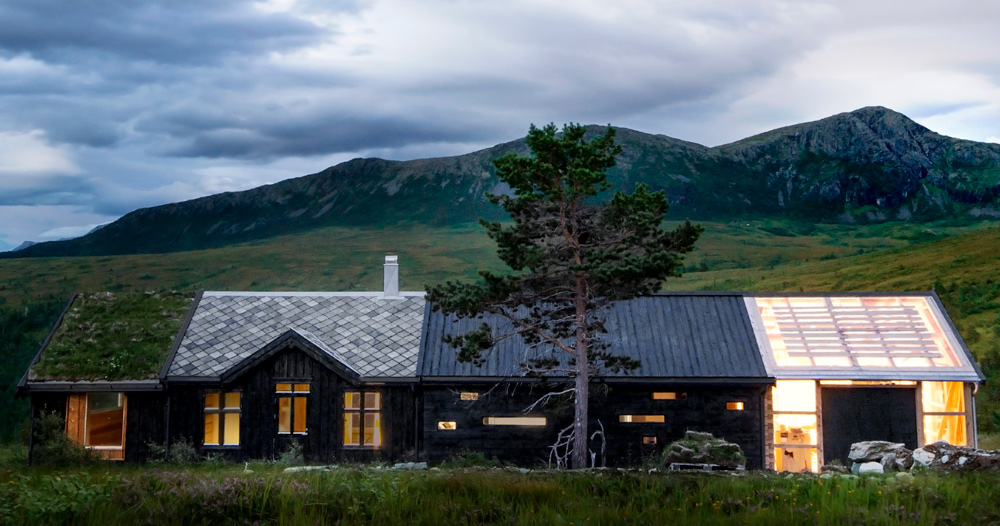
143 421
323 442
699 408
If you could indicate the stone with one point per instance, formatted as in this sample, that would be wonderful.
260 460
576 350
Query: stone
923 457
872 450
943 456
903 476
870 467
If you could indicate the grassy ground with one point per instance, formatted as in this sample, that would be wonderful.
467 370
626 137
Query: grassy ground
227 495
340 259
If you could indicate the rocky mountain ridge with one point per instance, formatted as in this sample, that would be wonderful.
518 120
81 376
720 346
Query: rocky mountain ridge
872 164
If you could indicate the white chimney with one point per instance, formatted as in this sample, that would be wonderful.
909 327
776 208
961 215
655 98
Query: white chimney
390 280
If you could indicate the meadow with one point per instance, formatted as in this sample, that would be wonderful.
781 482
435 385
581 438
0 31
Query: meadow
226 494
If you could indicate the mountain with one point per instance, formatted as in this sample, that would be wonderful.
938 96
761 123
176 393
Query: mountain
869 165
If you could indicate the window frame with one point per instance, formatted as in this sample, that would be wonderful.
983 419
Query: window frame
362 411
77 424
222 410
293 395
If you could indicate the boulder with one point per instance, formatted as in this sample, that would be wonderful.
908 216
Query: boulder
869 467
872 450
703 448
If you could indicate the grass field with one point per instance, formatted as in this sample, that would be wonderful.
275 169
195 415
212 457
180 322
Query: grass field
222 495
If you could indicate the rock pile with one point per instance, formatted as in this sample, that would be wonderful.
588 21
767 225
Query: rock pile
884 457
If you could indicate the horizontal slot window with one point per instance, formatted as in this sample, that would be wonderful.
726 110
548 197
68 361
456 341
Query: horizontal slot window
734 406
514 421
669 396
642 419
447 426
469 396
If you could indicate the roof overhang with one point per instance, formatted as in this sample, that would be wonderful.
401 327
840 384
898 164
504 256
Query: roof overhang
95 386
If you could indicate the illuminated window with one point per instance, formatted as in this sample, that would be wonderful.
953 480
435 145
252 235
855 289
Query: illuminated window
648 441
642 419
856 333
514 421
944 412
363 419
97 421
292 408
795 426
447 426
669 396
469 396
734 406
222 419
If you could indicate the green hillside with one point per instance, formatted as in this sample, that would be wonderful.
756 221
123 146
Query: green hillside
961 263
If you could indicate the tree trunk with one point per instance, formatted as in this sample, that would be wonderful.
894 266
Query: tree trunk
582 404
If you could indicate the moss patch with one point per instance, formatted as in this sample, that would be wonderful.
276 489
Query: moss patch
113 336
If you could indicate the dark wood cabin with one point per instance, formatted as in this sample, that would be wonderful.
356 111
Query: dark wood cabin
334 373
701 370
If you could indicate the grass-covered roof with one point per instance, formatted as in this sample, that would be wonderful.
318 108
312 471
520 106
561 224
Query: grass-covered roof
113 336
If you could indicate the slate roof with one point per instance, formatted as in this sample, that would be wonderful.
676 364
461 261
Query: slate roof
376 337
674 336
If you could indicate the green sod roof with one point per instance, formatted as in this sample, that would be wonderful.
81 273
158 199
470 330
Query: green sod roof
113 336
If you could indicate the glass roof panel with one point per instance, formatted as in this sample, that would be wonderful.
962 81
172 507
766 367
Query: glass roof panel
857 333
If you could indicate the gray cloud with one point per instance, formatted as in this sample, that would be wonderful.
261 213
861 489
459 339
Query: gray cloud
161 31
149 101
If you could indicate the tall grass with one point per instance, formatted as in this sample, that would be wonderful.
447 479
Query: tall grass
108 496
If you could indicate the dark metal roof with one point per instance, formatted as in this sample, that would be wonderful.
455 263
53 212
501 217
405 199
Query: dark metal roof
675 336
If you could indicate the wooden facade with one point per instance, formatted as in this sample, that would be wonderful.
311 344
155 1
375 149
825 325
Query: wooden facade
638 420
322 441
143 417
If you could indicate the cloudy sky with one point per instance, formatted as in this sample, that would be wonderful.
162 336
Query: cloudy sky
111 105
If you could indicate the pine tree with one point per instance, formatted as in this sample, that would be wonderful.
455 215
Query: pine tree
571 255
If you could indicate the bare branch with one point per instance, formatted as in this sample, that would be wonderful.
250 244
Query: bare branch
545 397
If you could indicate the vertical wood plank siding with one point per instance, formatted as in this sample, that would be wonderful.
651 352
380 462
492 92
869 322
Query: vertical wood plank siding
704 409
323 442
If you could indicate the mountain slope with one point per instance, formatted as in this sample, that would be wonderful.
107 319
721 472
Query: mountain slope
872 164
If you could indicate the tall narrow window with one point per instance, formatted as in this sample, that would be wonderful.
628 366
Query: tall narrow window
362 419
944 412
222 419
292 408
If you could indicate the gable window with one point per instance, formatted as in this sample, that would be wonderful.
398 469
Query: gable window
97 421
292 408
362 419
222 418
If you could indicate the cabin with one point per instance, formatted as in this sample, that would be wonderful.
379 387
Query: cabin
794 379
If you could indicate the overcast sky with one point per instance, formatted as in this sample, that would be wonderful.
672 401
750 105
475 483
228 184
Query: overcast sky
111 105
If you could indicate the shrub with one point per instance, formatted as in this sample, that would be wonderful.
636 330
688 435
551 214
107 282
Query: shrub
53 447
293 455
470 459
183 452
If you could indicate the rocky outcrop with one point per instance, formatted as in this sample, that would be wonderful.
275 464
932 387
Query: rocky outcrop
703 448
944 456
887 457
